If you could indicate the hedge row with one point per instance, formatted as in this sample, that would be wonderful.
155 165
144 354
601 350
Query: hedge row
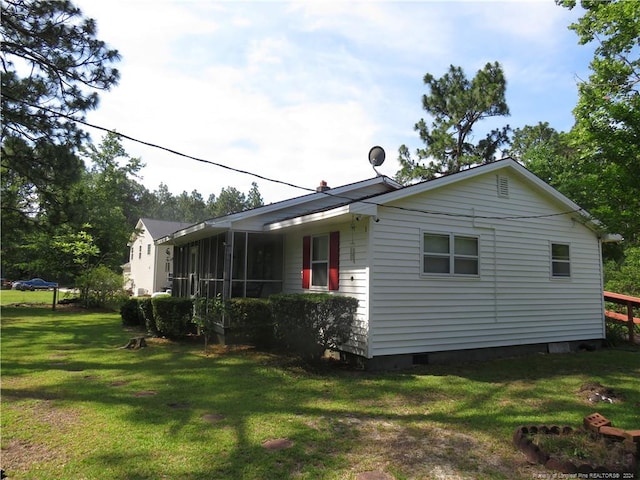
306 324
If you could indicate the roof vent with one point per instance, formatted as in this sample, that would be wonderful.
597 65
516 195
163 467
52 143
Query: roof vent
503 186
323 187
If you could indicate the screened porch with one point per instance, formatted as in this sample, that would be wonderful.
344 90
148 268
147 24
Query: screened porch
230 264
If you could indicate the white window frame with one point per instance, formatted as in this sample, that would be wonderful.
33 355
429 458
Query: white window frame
451 255
320 262
561 261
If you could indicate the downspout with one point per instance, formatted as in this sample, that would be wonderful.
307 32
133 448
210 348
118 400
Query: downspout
369 282
602 306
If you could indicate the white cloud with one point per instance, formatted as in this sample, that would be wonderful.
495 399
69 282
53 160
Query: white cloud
301 91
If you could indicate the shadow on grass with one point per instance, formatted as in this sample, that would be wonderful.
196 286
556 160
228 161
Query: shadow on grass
74 359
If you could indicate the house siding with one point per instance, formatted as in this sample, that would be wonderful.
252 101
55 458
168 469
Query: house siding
142 264
353 272
148 262
513 300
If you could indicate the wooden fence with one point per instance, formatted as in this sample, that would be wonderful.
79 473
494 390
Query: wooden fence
628 318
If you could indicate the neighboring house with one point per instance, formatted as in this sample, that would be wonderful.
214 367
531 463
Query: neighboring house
488 258
150 267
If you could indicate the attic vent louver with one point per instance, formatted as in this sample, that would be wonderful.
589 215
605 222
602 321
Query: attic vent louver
503 186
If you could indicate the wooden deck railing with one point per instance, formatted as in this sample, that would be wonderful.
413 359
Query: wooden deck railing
628 301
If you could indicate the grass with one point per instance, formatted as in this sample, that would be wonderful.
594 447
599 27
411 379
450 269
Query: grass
13 297
581 446
75 405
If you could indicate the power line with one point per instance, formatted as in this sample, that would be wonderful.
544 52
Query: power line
160 147
288 184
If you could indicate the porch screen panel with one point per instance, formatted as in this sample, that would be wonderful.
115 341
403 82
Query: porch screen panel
181 268
239 264
213 258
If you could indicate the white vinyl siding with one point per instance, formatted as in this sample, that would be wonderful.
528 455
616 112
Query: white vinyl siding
513 302
354 273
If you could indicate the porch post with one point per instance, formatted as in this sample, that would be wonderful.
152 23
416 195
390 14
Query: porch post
226 274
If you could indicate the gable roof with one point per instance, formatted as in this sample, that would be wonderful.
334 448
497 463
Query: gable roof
507 163
359 199
293 207
159 228
368 206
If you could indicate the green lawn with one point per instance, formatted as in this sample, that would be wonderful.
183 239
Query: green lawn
45 297
75 405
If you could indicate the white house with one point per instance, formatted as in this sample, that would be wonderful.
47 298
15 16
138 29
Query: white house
488 260
150 268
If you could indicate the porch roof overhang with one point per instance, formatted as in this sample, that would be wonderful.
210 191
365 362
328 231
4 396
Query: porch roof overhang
355 208
194 232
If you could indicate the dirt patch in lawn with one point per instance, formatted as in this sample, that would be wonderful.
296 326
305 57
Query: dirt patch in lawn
19 454
594 392
426 451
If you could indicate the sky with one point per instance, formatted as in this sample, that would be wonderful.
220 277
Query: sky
300 91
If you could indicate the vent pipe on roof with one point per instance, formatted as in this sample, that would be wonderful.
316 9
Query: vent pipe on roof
323 187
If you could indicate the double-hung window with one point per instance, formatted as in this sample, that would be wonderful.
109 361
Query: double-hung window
321 261
560 260
449 254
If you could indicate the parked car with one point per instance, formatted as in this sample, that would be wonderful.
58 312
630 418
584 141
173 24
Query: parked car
33 284
6 284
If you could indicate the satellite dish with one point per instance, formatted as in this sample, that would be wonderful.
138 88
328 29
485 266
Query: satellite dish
376 156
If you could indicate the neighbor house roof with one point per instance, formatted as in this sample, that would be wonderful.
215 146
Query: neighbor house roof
158 228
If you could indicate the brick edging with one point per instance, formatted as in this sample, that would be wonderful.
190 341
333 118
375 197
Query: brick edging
596 423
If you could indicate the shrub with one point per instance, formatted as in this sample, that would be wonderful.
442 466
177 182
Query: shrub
131 313
250 321
173 315
624 277
247 320
207 312
145 308
308 324
101 287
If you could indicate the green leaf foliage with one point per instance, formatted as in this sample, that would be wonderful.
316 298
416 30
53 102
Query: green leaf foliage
173 316
251 321
608 112
308 324
624 277
101 287
52 63
131 313
456 104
